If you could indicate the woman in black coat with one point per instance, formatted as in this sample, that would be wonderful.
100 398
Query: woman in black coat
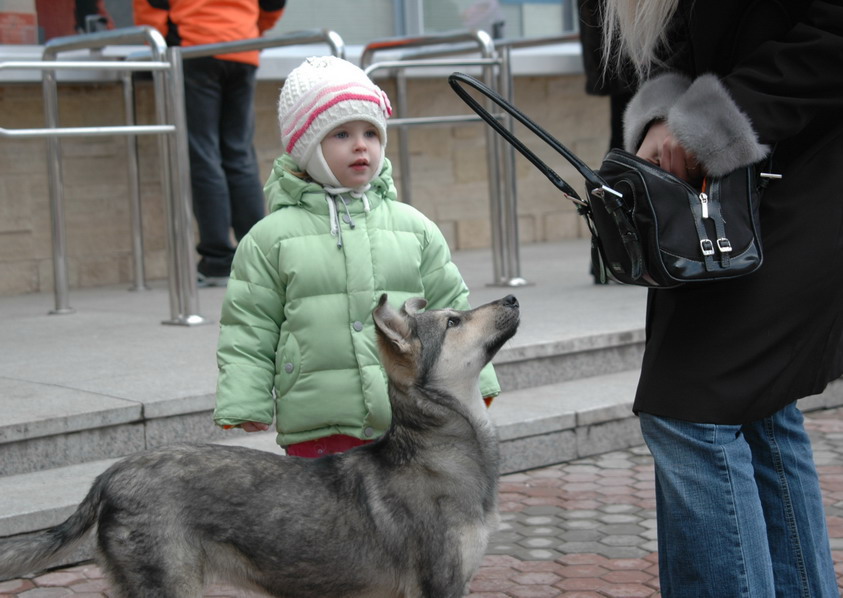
616 85
724 84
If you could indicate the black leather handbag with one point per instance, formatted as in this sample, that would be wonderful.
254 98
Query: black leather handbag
648 227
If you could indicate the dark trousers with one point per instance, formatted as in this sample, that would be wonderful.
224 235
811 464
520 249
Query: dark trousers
225 180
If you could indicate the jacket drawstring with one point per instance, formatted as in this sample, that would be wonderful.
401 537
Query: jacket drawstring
347 213
332 215
331 196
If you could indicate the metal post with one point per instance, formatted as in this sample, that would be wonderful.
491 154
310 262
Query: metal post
92 42
133 182
493 161
184 300
60 281
403 140
335 42
509 213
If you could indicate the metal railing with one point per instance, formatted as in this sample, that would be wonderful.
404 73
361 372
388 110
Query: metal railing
500 160
161 66
509 252
297 38
166 67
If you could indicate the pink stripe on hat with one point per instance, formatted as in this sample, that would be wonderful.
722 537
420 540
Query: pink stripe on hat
298 113
375 99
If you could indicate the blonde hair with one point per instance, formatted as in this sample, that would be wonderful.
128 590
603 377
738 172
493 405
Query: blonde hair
635 30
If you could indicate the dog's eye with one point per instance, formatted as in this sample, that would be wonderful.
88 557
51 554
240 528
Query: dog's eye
453 321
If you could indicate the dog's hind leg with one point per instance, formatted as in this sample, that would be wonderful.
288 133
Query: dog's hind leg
142 566
148 580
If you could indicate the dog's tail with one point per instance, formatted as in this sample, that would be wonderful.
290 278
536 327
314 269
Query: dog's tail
29 553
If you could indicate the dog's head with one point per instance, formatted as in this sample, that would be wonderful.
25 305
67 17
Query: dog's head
443 348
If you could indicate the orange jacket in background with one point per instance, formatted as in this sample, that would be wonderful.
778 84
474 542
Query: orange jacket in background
200 22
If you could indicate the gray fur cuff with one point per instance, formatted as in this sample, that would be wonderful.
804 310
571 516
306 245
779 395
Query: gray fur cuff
708 123
703 117
652 102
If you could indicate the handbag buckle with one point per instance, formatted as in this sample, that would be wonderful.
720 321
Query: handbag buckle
575 200
724 245
707 246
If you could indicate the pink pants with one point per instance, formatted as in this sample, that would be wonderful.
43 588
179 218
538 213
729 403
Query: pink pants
330 445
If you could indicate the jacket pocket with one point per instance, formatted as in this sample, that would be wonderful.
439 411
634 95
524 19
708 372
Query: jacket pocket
287 364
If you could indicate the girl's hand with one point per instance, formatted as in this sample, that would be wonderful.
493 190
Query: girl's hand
254 427
662 149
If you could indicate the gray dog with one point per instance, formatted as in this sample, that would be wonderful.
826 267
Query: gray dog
408 516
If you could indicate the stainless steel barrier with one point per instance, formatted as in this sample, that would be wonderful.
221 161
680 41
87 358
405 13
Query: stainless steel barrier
503 192
478 41
184 305
52 133
182 267
297 38
165 65
509 253
500 160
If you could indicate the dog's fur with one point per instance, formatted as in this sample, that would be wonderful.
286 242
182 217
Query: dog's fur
407 516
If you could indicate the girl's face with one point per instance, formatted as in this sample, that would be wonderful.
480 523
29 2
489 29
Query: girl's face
353 151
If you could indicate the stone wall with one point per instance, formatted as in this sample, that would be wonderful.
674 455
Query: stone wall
448 175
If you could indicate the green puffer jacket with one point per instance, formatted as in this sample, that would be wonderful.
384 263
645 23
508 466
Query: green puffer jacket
297 316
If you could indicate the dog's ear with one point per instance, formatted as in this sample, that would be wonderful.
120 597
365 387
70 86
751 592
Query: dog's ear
413 305
393 325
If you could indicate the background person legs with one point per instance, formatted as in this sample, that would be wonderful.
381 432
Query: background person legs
226 187
239 160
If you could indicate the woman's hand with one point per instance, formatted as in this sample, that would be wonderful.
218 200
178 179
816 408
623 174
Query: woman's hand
662 149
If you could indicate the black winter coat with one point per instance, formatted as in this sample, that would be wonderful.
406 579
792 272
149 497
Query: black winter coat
736 351
598 83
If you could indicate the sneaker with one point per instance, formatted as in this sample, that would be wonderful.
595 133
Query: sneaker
205 282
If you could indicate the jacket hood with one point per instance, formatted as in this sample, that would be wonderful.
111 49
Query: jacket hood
284 189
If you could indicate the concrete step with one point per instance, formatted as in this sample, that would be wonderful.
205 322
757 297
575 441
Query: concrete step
559 422
536 426
50 425
110 380
569 358
34 501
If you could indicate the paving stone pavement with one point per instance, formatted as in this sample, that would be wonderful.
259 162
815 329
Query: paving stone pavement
583 529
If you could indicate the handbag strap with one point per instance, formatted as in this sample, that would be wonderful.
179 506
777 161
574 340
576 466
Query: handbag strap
456 79
611 198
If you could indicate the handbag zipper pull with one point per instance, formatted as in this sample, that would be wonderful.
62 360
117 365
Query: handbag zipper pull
704 199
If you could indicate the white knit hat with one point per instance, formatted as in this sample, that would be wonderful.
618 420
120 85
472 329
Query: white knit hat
319 95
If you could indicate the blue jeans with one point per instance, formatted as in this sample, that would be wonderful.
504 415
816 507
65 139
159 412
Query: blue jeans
739 509
225 180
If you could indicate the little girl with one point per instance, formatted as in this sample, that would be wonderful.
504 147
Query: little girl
297 341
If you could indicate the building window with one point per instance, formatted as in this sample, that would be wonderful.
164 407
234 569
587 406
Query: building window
362 21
